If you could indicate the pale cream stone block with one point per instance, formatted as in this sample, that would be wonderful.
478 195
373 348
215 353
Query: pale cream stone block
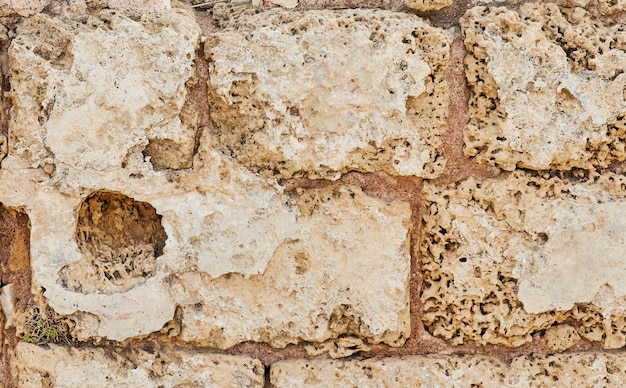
84 94
321 93
428 5
22 7
58 366
565 370
547 88
508 257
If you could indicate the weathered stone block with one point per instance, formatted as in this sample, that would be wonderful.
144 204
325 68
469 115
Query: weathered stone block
547 88
22 7
508 257
117 250
344 271
566 370
57 366
370 95
85 93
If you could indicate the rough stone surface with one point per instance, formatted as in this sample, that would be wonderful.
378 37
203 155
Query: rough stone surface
346 113
22 7
141 5
508 257
57 366
84 94
428 5
547 88
332 277
121 235
566 370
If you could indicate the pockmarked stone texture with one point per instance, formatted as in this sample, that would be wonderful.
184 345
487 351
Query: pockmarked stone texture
547 88
84 94
344 271
565 370
508 257
22 7
381 110
57 366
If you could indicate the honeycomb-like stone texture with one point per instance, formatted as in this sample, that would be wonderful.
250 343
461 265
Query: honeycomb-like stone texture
508 257
85 93
56 366
383 109
547 88
565 370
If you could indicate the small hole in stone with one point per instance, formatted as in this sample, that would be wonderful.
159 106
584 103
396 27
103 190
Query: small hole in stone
120 239
463 259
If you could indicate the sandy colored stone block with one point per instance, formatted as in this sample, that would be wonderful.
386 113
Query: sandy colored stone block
58 366
560 338
508 257
85 93
610 7
566 370
428 5
344 272
22 7
370 95
546 88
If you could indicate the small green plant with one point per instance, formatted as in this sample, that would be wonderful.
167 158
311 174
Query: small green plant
43 328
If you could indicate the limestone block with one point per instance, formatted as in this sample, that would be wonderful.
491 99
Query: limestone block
22 7
57 366
560 338
610 7
117 250
565 370
547 88
85 93
370 95
344 272
514 255
428 5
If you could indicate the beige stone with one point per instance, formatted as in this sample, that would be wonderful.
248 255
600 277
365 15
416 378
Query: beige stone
22 7
343 272
428 5
141 5
84 94
560 337
610 7
383 109
117 244
566 370
508 257
547 88
58 366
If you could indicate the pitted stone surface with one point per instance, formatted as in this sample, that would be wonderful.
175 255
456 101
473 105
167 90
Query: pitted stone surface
566 370
343 272
383 109
57 366
508 257
84 94
547 88
22 7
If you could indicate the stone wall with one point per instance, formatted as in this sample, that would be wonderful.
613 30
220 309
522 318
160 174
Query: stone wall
312 193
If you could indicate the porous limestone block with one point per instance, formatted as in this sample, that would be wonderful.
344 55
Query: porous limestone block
547 88
85 93
320 93
564 370
428 5
508 257
57 366
610 7
116 251
344 272
22 7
